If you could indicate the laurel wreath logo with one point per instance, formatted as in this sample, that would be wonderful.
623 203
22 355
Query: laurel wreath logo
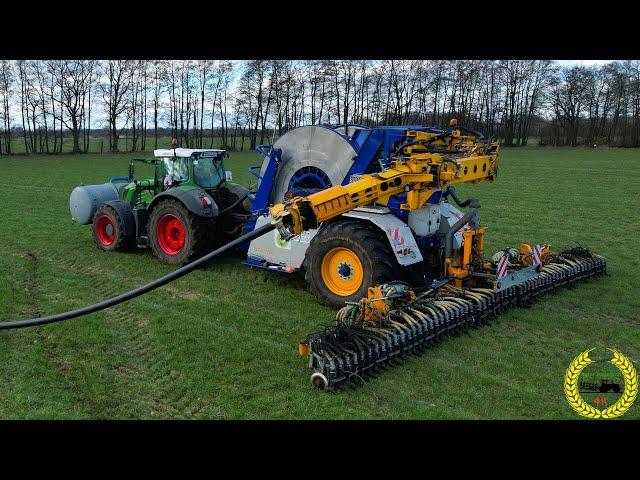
583 408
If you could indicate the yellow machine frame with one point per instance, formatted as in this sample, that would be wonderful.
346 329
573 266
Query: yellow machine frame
417 171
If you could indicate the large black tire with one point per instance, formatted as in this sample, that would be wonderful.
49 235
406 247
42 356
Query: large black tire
195 233
108 230
369 246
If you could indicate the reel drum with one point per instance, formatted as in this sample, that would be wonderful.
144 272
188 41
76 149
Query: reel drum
313 158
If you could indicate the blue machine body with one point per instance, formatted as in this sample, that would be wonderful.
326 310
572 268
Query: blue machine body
374 147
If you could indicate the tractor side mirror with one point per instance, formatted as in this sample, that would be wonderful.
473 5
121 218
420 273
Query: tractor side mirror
132 170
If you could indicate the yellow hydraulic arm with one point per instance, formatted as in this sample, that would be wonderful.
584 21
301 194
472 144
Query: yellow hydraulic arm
427 163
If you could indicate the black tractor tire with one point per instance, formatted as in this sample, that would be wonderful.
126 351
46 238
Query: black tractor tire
194 237
108 230
369 244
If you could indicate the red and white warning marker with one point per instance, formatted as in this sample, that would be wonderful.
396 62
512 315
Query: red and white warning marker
394 234
537 255
503 264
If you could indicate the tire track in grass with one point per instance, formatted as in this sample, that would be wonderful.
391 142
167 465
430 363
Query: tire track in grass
32 284
14 306
135 343
149 362
144 362
138 344
143 358
116 278
183 293
131 345
50 346
84 268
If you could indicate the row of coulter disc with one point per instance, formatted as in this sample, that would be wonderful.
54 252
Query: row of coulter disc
352 351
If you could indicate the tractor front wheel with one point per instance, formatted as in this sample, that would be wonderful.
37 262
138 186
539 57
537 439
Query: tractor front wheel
346 258
108 230
176 236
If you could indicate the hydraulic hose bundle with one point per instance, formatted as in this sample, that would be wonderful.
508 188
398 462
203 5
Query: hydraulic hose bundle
357 346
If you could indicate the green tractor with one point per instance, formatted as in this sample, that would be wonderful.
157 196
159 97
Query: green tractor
189 206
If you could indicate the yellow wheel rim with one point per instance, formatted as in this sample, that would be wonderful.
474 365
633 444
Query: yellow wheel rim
341 271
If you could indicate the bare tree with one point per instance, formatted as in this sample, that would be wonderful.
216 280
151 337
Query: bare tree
6 82
569 98
73 79
115 87
511 99
220 86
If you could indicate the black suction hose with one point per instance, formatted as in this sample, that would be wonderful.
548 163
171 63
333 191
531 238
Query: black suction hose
451 191
234 204
136 292
448 239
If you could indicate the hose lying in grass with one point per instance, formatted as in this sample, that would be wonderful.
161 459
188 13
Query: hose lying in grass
136 292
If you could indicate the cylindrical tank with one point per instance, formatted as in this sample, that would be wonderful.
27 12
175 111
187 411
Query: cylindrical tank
426 220
85 200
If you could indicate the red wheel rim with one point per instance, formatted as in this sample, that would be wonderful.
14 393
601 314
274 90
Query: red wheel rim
105 230
170 234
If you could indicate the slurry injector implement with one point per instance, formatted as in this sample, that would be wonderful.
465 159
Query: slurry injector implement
365 213
393 321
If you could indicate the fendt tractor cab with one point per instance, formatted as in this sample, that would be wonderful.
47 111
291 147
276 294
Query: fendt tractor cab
188 206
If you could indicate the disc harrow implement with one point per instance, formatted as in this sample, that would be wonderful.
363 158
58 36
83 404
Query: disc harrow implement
393 322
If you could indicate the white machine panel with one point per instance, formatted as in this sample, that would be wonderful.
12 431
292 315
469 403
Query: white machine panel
290 255
398 233
426 220
271 248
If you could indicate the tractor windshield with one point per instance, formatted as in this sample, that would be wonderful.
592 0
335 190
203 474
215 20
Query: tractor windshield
208 172
172 170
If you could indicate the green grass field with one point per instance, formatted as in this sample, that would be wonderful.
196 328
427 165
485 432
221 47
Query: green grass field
221 342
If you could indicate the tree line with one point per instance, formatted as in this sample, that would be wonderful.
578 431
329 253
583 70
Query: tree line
240 104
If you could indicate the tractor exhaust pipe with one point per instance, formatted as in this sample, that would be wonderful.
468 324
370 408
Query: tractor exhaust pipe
124 297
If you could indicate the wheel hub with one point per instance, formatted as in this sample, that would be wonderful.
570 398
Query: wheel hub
342 271
170 234
345 270
105 231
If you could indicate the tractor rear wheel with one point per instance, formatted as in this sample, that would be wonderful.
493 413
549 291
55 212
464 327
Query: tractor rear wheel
176 235
108 230
346 258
